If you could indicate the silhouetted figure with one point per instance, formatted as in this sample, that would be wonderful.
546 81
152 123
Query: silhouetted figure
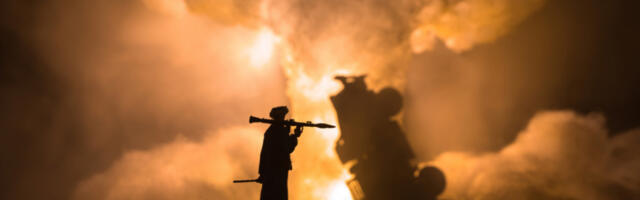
275 161
383 166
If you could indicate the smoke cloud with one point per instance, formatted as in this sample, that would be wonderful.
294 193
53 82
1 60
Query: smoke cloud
463 24
149 99
377 37
322 39
182 169
560 155
93 81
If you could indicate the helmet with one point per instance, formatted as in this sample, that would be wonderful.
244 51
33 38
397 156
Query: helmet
278 112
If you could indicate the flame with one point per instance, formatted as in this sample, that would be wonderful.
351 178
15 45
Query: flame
336 189
311 101
318 173
309 96
339 191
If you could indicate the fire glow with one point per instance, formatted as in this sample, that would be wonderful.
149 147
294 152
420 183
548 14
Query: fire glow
262 50
161 94
315 162
310 100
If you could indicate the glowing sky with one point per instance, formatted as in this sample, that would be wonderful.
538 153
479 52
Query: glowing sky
149 99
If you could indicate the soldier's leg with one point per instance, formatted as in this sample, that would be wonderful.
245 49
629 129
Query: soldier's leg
281 191
269 188
284 183
275 187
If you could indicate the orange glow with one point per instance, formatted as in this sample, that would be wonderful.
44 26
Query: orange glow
336 190
339 191
262 50
309 96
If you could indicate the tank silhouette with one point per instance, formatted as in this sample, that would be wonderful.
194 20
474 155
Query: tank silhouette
377 146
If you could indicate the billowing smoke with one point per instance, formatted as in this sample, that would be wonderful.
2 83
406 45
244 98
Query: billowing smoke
461 24
560 155
317 40
151 98
93 82
181 169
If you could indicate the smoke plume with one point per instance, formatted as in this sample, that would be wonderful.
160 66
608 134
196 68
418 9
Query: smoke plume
560 155
182 169
149 99
465 23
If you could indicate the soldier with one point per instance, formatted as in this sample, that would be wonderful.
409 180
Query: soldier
275 161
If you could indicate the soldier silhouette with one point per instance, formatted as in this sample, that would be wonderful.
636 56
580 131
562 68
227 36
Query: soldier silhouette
275 161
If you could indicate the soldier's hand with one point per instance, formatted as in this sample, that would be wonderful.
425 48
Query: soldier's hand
298 131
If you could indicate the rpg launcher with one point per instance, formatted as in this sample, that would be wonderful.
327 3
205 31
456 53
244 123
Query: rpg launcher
290 122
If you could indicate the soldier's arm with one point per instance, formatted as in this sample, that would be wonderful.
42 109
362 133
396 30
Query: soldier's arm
293 142
293 139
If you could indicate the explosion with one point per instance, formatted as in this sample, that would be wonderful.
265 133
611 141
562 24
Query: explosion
306 44
310 49
309 99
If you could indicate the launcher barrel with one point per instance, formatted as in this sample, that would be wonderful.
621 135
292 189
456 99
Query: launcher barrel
290 122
